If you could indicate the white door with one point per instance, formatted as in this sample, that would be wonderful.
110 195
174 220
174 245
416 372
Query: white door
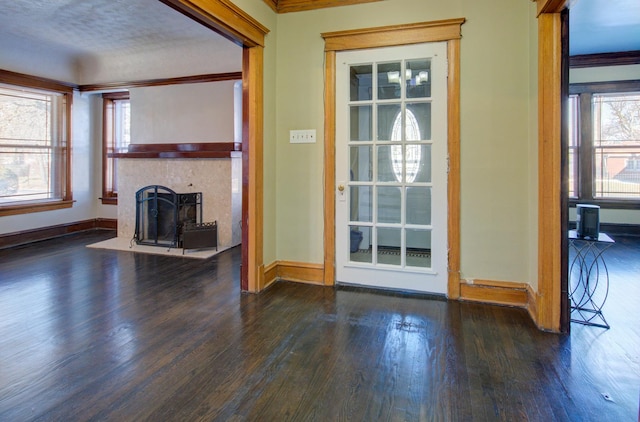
391 167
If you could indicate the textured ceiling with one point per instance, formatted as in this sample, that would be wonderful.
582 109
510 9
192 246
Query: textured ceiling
88 28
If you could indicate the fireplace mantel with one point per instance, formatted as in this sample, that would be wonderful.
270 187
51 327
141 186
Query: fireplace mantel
182 150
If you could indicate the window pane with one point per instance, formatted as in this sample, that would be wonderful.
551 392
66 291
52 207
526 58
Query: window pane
574 130
361 83
389 204
389 246
361 205
361 163
360 123
418 78
616 139
389 80
32 145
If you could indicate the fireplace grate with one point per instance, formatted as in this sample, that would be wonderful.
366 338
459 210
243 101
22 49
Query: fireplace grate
162 215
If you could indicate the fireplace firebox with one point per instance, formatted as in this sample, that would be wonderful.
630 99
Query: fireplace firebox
165 218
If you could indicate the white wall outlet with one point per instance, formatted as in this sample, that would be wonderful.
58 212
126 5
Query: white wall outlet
307 136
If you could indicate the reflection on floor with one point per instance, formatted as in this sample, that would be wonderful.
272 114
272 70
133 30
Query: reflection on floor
392 256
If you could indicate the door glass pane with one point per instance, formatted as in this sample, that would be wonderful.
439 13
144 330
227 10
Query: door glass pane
418 78
361 82
360 244
360 123
361 160
360 206
389 80
389 204
419 205
418 162
387 115
418 253
419 120
389 163
389 246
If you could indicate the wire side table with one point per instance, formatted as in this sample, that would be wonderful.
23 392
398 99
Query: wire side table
588 279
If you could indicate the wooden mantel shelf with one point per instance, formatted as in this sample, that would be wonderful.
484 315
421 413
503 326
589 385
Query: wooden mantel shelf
183 150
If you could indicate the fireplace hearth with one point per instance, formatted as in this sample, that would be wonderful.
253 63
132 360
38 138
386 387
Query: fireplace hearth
166 218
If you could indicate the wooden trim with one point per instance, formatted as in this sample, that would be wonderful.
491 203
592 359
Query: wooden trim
287 6
107 223
181 150
604 87
329 169
252 167
495 292
270 274
604 59
551 6
10 240
273 4
453 175
395 35
300 272
212 77
223 17
21 79
549 172
532 298
29 207
443 30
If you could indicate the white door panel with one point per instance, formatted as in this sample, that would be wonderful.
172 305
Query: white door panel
391 167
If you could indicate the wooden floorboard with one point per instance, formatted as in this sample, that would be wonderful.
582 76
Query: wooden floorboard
92 334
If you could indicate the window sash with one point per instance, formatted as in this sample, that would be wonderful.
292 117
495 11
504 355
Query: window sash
604 153
33 146
116 138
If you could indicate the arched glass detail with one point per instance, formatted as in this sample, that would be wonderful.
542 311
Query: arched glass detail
413 152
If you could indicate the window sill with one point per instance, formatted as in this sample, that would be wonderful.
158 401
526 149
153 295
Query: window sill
109 201
30 207
608 203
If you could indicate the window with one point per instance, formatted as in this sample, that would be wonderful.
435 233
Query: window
604 144
34 145
116 138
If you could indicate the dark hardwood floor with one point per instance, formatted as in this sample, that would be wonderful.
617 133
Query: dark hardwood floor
90 334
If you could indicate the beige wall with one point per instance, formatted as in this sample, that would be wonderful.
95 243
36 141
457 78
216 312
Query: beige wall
495 125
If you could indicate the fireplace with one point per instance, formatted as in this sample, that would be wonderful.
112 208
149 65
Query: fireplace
166 218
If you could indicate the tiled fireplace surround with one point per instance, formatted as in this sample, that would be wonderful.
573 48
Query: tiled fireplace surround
219 180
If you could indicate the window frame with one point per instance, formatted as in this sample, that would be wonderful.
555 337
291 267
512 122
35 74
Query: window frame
20 80
585 156
109 196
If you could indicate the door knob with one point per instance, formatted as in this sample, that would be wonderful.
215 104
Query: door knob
341 188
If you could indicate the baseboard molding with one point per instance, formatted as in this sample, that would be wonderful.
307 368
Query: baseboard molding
34 235
270 274
300 272
495 292
532 308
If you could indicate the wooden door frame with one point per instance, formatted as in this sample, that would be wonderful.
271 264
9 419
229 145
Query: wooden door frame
548 313
228 20
448 31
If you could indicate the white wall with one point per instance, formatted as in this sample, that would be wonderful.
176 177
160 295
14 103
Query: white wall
200 112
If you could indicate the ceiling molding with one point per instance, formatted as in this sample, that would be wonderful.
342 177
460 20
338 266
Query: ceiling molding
605 59
214 77
287 6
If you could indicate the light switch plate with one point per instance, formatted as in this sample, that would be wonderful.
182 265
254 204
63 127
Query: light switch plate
307 136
